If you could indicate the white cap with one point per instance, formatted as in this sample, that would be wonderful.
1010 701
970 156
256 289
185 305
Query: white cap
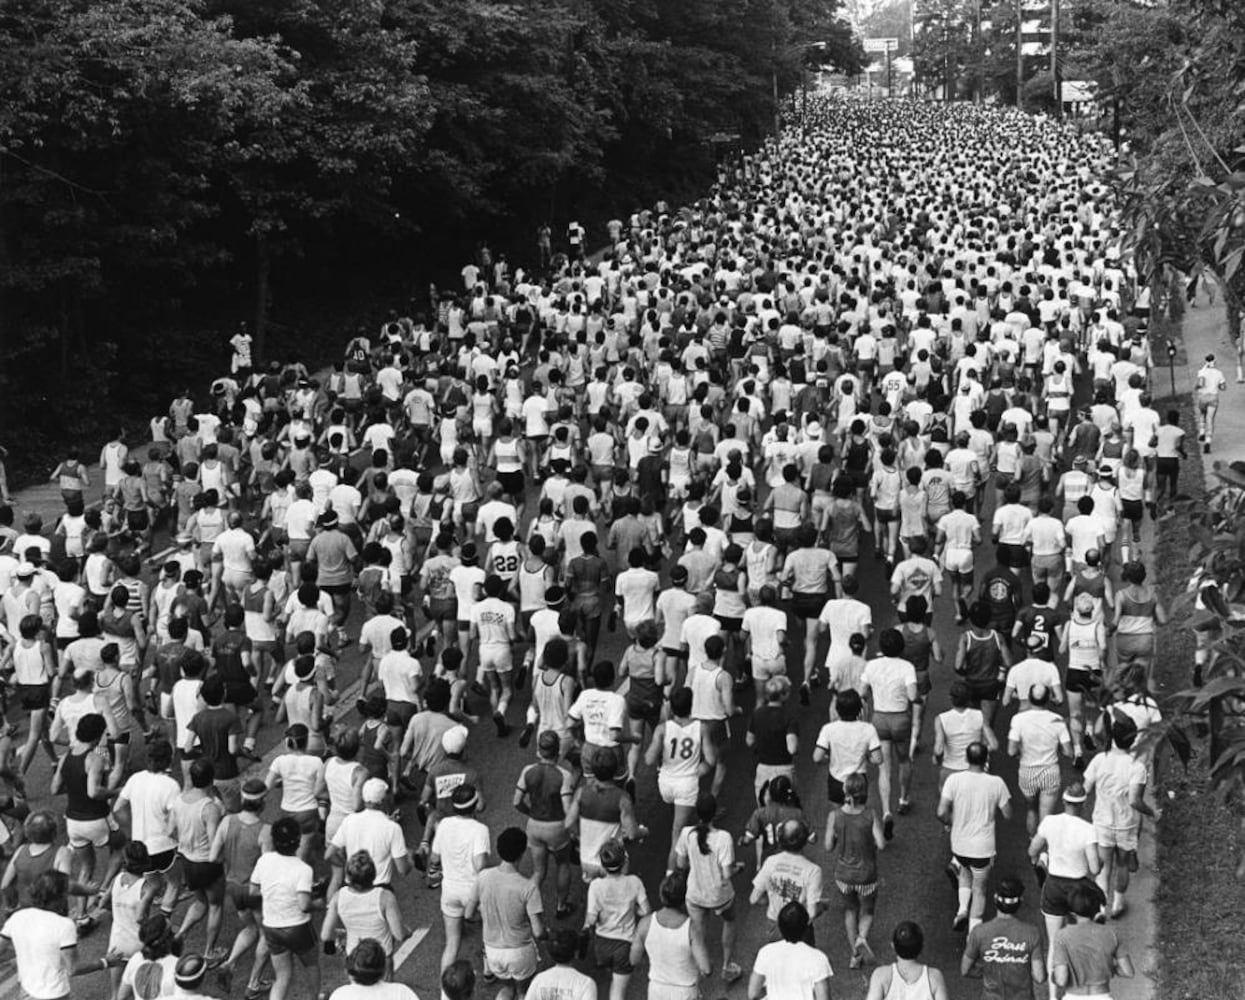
375 790
454 740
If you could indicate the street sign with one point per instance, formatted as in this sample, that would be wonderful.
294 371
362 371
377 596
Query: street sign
881 44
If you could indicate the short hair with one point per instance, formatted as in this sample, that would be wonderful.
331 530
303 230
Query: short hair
793 922
360 870
908 939
562 946
286 836
511 844
848 705
458 981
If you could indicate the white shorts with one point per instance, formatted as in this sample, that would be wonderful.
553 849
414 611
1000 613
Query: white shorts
958 560
664 991
90 832
516 964
496 657
459 900
679 790
1122 838
763 669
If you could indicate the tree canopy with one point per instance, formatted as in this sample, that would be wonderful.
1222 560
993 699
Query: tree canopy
166 162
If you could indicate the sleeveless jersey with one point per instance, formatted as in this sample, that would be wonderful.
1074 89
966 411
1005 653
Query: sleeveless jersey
681 749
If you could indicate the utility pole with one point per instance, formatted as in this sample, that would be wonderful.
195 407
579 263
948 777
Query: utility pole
978 55
1054 56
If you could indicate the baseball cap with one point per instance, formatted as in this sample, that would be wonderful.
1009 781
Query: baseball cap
454 739
1035 641
25 568
375 790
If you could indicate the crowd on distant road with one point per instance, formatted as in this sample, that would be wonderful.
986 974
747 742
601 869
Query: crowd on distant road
903 336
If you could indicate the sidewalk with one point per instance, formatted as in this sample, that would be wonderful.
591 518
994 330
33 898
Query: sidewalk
1206 332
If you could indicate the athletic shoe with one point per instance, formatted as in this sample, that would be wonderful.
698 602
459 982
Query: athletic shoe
888 826
525 737
961 922
500 722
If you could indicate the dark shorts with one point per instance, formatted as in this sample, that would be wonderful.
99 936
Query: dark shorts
885 515
612 954
644 703
717 731
240 693
308 820
1057 893
1081 682
977 863
442 609
1132 510
1167 467
137 520
34 697
199 876
924 685
979 691
400 713
896 727
336 589
808 606
298 940
1018 555
239 895
834 790
512 482
730 624
162 862
786 538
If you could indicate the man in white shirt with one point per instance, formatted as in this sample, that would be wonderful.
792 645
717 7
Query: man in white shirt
635 592
493 629
848 744
967 808
1046 540
1037 736
889 682
370 830
765 628
842 617
232 553
1032 671
1208 385
958 532
1066 846
791 969
601 712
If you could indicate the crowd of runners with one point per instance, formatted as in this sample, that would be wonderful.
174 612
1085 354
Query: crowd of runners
900 342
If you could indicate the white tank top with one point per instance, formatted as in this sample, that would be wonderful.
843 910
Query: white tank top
1082 646
670 959
900 989
506 559
680 750
507 455
961 729
553 703
339 779
531 588
28 664
706 698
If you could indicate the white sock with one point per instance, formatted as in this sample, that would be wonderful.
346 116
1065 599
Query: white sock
965 897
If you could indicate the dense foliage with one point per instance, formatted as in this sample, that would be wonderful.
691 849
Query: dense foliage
169 166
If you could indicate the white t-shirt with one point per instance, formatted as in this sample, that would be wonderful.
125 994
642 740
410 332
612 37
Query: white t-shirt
1111 776
791 971
849 745
1039 732
150 979
1047 535
372 831
600 712
562 983
400 674
457 842
299 774
494 621
39 938
1067 837
975 797
763 624
1030 671
151 796
637 588
889 677
844 616
377 991
1010 522
280 879
236 548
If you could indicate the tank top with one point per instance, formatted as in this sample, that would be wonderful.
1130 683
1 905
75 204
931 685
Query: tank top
670 959
532 585
1095 586
507 455
375 759
113 694
960 730
258 628
553 703
362 917
1136 616
29 666
844 528
74 529
211 524
79 804
917 647
194 842
680 465
27 867
1131 483
298 709
1083 651
707 701
127 903
982 657
857 861
506 559
901 989
681 749
339 778
758 561
240 847
212 478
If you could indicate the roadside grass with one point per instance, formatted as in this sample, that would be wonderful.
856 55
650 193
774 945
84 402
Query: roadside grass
1199 911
